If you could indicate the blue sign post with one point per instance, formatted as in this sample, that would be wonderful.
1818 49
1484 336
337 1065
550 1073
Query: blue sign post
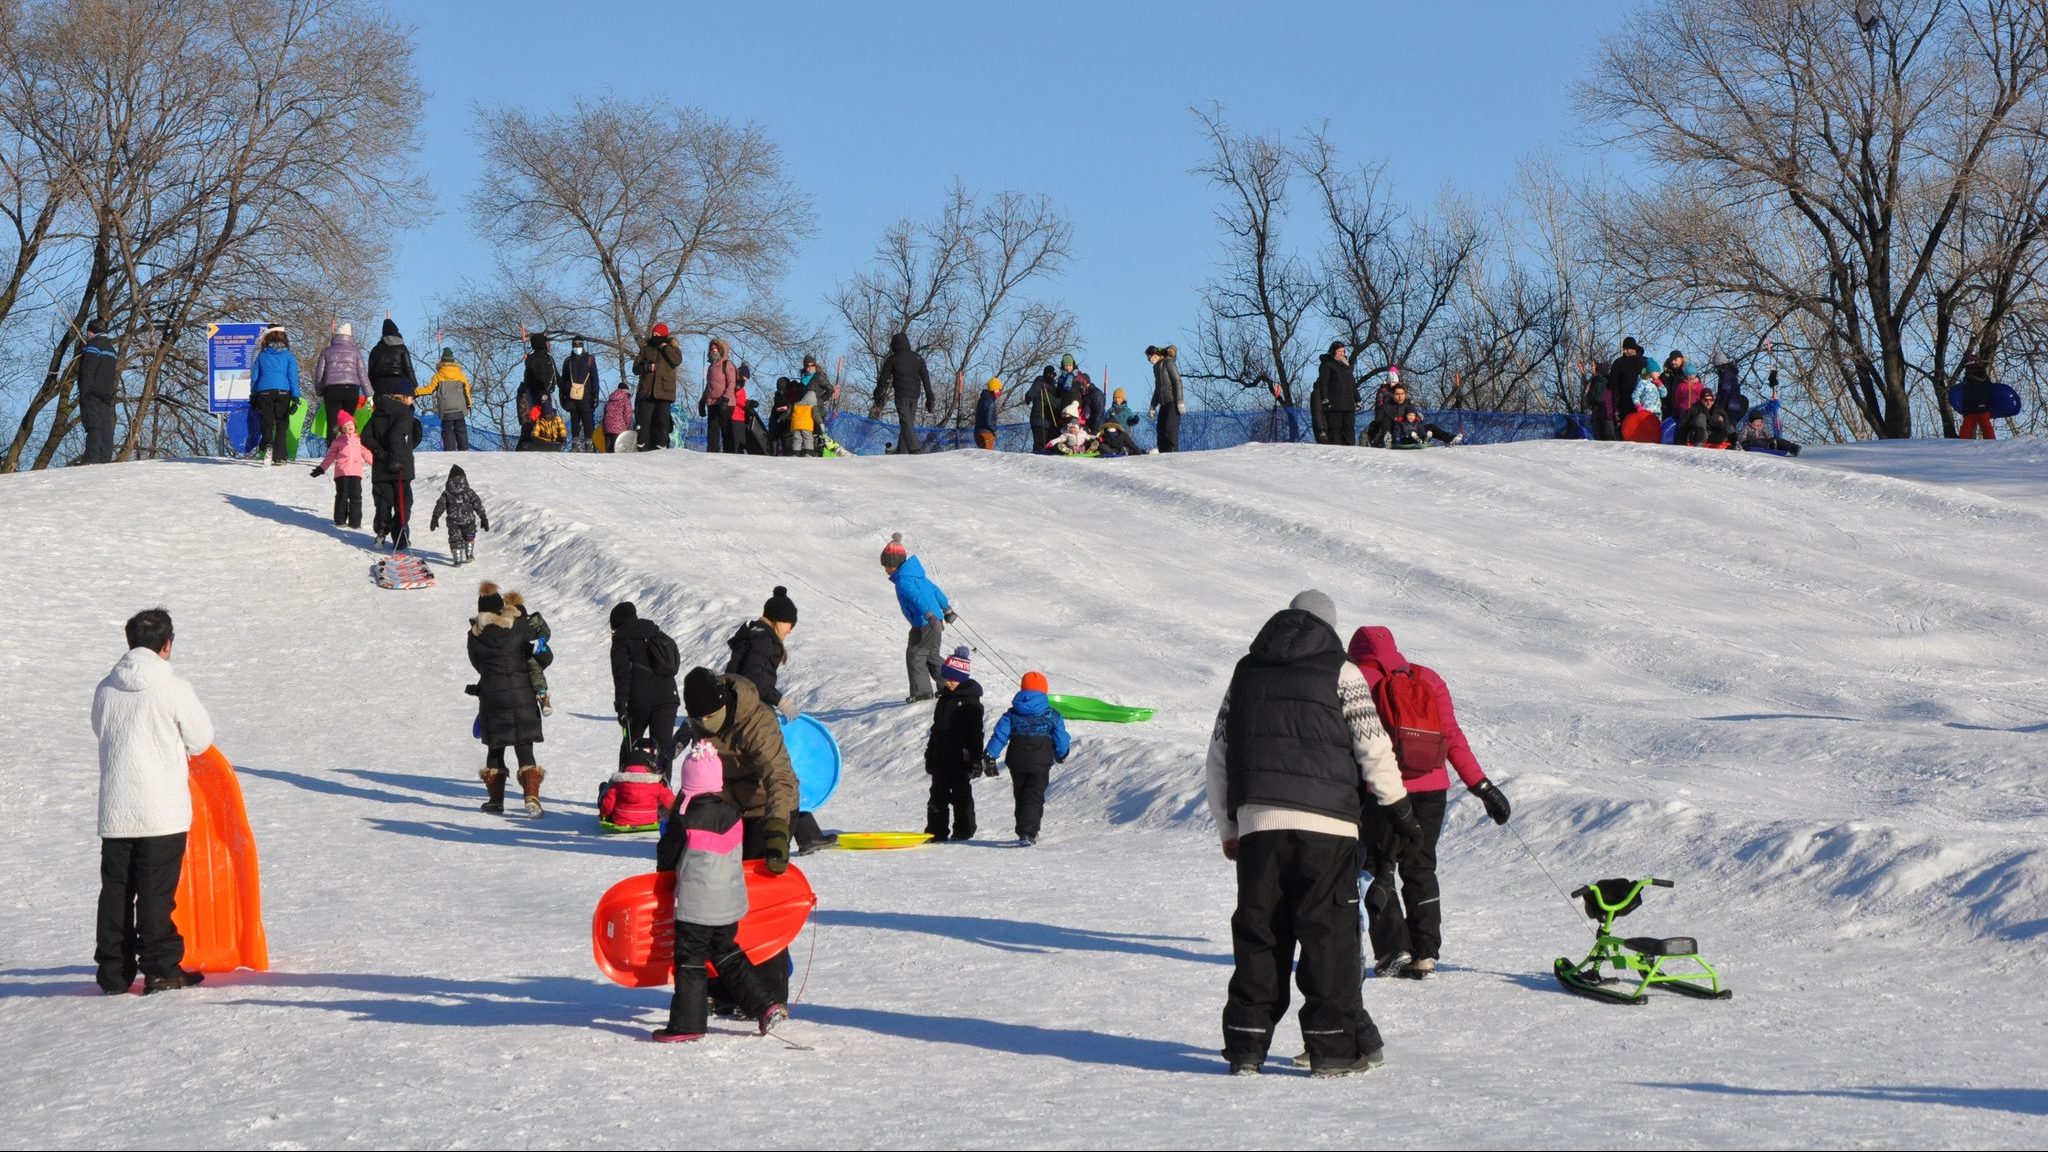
230 353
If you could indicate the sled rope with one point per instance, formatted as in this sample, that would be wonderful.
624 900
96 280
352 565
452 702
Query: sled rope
1546 871
981 644
809 958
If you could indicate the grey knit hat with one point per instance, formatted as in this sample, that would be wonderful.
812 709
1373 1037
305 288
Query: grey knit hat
1318 604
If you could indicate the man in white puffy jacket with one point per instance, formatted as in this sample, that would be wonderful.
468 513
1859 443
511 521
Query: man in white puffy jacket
149 723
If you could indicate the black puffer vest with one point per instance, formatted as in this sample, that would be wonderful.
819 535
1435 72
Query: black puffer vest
1288 744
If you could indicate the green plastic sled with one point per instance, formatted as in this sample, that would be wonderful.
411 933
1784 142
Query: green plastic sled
1101 711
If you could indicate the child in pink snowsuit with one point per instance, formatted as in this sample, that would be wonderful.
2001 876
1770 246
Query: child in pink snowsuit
701 846
618 416
348 456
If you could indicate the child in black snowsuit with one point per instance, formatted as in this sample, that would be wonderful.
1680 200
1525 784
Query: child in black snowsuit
538 634
465 510
952 754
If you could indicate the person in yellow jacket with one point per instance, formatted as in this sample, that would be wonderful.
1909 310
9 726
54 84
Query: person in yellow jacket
451 403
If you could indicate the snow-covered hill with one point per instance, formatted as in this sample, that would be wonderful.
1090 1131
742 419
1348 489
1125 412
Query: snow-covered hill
1814 693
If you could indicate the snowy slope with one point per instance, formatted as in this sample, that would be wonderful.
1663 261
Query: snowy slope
1812 692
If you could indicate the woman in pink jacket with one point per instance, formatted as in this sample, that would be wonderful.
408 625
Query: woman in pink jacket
1428 743
348 456
721 382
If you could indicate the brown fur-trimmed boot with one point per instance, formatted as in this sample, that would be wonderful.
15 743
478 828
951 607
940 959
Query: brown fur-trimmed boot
529 780
494 788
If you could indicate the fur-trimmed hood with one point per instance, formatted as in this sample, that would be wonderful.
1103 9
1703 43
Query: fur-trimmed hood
492 619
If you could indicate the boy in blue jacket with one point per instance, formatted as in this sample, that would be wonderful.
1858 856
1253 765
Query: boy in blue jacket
927 610
1036 739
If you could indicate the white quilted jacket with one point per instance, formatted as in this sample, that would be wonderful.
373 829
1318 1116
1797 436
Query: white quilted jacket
149 722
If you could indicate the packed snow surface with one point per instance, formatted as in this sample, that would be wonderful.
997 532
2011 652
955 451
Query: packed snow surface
1812 692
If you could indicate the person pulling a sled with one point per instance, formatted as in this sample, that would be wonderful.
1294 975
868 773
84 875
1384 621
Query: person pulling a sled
1297 748
928 611
1414 707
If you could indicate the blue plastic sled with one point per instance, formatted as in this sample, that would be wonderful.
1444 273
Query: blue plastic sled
2005 403
815 756
1671 431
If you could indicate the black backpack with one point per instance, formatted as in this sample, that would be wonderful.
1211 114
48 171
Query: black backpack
388 360
662 657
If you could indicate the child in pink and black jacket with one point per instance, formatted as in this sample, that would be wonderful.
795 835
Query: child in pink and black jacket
348 456
701 845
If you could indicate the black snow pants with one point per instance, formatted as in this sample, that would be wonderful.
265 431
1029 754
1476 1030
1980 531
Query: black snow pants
657 723
274 409
737 976
653 422
906 423
718 431
348 501
1168 429
454 433
1413 920
1342 427
1027 785
1297 888
138 889
97 413
949 812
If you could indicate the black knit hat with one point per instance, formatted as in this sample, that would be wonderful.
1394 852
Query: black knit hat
390 326
1628 344
488 601
779 609
623 613
538 340
703 693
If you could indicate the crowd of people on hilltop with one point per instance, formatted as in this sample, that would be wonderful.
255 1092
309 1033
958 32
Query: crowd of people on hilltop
1395 420
1631 399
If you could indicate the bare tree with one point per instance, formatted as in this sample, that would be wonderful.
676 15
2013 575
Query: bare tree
644 211
216 161
962 285
1249 333
1830 171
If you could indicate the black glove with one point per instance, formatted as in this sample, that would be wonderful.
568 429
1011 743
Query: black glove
317 472
1495 800
484 520
1774 378
775 842
989 767
928 406
703 409
1404 832
951 616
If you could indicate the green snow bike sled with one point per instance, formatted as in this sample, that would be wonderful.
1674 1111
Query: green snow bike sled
1639 962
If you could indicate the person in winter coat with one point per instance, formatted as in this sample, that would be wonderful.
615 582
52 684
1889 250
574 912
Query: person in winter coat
1705 425
1031 737
465 511
274 393
452 400
1041 406
1297 748
985 409
1728 389
723 419
339 377
1758 438
1334 399
759 650
1617 400
1167 404
1685 395
393 434
541 428
349 457
807 414
618 416
390 365
1976 399
655 367
1063 384
508 707
903 374
1649 393
1398 422
953 751
578 388
1089 399
636 797
703 847
927 610
645 662
1407 927
1073 438
149 723
1120 411
1674 376
752 431
1116 440
537 382
99 379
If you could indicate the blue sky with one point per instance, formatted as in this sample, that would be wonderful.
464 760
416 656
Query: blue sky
879 107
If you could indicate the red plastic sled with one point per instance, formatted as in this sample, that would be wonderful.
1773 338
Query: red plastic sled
633 932
220 893
1642 427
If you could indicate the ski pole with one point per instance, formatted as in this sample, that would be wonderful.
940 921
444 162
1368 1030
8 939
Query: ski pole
1545 870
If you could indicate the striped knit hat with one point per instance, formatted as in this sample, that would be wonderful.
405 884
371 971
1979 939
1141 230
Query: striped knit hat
959 666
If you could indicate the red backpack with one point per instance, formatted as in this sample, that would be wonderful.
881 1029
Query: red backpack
1408 709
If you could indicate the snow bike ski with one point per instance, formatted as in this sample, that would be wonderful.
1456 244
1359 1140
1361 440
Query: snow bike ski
1641 958
403 572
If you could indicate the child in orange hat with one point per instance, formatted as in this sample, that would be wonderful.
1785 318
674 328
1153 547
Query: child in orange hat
1031 737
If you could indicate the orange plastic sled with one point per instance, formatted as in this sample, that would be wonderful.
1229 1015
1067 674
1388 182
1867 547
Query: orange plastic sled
220 899
633 933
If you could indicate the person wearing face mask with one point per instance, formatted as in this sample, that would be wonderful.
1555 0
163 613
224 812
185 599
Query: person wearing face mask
577 387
